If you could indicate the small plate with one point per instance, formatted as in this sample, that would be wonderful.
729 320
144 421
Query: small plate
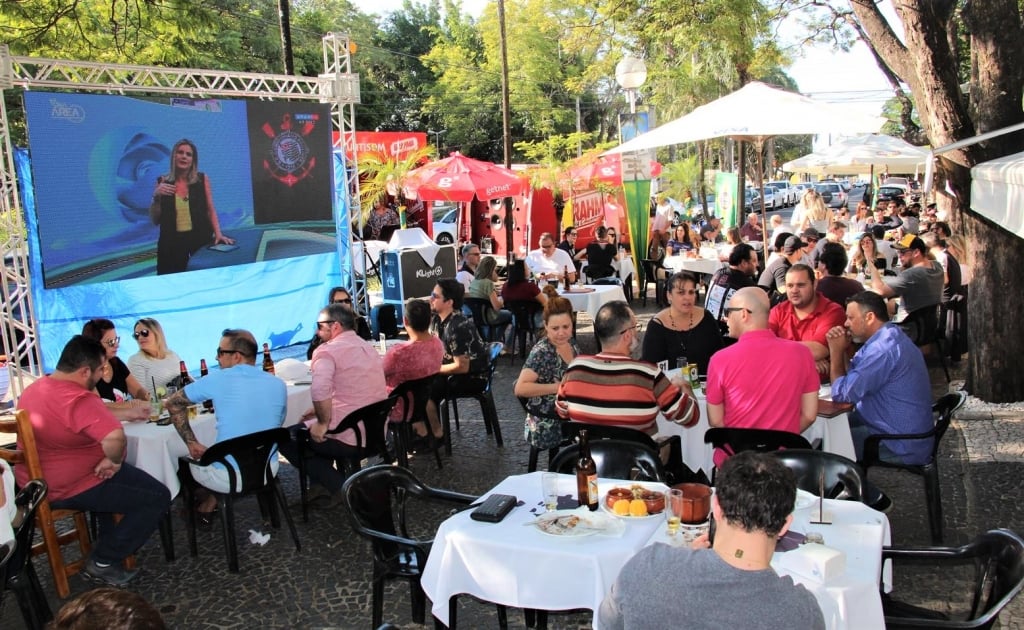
804 500
572 524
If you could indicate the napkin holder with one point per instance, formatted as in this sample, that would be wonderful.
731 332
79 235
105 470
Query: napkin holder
815 562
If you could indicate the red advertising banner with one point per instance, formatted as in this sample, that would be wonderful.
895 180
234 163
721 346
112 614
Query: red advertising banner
388 144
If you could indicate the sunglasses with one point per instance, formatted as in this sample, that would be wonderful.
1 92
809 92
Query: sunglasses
112 343
221 352
141 333
325 323
344 301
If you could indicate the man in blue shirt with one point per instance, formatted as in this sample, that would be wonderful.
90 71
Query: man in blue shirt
248 400
886 380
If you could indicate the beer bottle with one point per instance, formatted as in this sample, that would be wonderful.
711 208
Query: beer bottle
565 277
268 363
586 475
185 378
203 371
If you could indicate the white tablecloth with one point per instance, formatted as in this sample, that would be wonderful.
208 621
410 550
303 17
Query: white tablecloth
697 265
516 565
834 434
592 301
156 449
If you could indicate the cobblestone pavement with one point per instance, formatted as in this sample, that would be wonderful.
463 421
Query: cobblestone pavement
326 584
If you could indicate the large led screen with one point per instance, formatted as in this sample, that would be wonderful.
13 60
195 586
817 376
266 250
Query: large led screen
128 188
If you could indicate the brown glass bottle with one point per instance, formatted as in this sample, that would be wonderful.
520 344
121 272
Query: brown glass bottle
268 363
183 371
586 474
565 278
203 371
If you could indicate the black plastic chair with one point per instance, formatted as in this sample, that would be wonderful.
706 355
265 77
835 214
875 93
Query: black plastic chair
414 395
370 440
615 459
998 558
650 274
943 409
523 312
377 498
675 470
735 440
479 308
252 455
843 477
18 574
484 397
924 329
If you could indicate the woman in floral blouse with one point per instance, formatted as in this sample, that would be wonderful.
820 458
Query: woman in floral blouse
543 371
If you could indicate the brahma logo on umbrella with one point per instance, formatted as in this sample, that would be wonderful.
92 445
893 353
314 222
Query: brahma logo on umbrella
290 158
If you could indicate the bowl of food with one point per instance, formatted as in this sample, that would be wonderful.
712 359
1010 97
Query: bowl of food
617 494
696 502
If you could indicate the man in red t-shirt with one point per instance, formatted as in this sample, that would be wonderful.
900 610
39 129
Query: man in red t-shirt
81 448
806 315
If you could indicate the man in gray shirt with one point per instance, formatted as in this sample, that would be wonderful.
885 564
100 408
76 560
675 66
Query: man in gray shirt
731 584
918 286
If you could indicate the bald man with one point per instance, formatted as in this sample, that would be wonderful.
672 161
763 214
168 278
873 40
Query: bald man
761 381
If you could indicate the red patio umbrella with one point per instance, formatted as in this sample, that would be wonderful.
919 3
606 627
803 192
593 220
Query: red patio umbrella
459 178
584 172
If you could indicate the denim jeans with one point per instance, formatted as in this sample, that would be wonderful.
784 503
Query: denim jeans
320 467
860 432
141 499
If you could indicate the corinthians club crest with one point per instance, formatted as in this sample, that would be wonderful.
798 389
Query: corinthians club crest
290 159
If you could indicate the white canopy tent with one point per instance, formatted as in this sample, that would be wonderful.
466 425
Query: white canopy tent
997 191
754 112
859 154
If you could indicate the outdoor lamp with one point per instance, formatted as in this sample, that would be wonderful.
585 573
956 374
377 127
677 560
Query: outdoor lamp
630 74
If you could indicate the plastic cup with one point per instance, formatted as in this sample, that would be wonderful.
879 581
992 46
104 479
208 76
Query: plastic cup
673 511
549 489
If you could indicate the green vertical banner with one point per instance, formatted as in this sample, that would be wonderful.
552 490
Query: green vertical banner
725 199
638 205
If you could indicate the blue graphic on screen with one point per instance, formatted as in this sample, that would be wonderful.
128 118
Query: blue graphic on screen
86 194
97 161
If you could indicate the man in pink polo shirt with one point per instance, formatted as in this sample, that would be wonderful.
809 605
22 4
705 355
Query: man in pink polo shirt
348 374
806 316
761 381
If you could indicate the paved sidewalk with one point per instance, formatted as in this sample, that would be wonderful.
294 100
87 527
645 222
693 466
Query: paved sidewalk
327 584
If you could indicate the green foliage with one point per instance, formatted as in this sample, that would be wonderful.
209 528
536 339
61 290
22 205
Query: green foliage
681 177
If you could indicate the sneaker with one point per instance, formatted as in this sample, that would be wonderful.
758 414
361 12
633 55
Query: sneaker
883 504
113 575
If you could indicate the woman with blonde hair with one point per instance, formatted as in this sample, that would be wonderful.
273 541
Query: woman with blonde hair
543 371
153 365
816 214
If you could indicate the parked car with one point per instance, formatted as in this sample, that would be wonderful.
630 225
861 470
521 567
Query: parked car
890 193
752 201
838 197
445 230
772 199
789 193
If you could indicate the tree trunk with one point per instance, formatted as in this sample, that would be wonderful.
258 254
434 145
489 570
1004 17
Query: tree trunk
928 62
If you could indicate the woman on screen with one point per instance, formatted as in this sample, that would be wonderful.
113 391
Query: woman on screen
183 208
153 365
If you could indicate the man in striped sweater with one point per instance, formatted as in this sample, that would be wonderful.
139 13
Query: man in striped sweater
613 388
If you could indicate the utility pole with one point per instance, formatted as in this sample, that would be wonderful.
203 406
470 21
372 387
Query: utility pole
284 17
506 126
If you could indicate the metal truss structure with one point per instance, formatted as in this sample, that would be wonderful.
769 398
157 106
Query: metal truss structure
338 85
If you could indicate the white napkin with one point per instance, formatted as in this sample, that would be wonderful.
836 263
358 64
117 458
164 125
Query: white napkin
258 538
291 370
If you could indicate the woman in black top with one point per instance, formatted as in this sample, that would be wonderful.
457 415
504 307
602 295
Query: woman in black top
683 329
116 386
600 255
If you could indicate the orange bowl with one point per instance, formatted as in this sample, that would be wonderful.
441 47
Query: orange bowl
655 501
616 494
696 502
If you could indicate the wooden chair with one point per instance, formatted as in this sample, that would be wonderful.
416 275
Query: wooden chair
47 517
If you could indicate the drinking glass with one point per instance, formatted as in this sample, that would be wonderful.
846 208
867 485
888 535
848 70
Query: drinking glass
673 510
681 364
549 487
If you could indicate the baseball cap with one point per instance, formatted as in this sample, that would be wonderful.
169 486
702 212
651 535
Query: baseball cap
792 244
812 233
911 242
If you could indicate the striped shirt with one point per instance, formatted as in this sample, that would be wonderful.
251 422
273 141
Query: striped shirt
615 390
